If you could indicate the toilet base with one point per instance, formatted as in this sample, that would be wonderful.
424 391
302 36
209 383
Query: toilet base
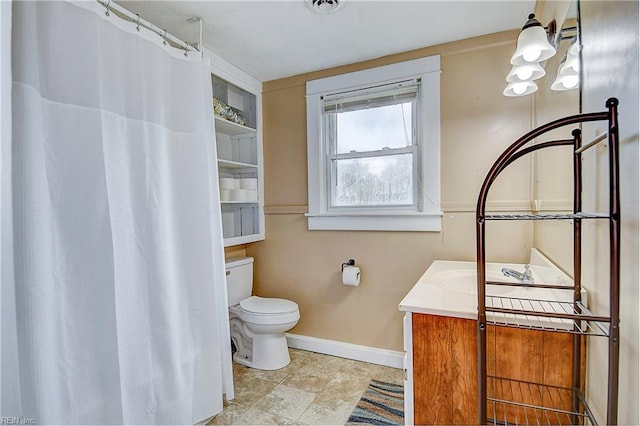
261 344
268 352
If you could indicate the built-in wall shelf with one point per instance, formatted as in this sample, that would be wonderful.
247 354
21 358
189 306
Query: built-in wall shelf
233 129
239 150
236 165
249 203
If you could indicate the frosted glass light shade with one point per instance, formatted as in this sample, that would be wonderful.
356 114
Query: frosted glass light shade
574 49
522 88
571 65
533 45
521 73
568 76
565 82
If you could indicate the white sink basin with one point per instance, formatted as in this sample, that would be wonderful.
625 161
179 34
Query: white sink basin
465 281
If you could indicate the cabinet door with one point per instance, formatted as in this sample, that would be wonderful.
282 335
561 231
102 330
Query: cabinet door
445 370
464 370
433 402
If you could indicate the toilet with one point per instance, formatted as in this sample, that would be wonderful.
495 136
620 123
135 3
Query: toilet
257 324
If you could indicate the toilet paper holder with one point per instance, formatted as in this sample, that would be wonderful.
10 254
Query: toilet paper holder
350 262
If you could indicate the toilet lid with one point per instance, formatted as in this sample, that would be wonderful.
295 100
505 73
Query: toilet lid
268 305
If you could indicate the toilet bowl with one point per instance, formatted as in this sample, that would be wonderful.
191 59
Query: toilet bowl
257 324
258 327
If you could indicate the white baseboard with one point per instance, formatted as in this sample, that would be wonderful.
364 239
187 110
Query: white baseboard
369 354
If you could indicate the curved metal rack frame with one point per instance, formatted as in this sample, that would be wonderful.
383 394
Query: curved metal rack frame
564 317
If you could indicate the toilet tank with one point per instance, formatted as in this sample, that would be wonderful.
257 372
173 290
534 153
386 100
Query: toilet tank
239 273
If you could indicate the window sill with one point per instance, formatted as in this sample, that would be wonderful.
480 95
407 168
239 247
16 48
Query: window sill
417 222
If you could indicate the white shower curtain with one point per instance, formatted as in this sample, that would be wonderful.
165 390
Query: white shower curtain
117 242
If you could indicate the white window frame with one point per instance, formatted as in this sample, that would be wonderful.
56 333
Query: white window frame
426 215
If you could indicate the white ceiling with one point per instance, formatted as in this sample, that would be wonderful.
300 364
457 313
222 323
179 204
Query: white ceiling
272 39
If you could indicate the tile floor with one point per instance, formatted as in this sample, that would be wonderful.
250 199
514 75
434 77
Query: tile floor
315 389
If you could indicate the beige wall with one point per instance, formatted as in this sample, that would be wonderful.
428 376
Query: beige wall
304 266
610 68
235 251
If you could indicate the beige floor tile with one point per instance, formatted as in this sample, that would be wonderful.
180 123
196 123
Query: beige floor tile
343 387
325 362
254 416
387 374
335 414
308 378
230 416
298 355
248 390
356 368
314 389
285 401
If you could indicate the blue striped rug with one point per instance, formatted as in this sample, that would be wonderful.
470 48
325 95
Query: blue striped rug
381 404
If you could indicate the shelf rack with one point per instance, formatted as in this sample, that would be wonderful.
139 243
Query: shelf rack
237 165
503 400
239 154
530 405
233 129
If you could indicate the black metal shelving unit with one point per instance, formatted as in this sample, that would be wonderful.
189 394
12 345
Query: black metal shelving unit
517 402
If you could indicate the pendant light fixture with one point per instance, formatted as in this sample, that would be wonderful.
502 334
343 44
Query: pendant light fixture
568 76
533 47
521 88
533 43
565 82
526 72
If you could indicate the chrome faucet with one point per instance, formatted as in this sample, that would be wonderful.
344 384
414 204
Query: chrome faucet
525 276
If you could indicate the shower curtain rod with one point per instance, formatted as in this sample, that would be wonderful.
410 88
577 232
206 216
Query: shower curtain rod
136 19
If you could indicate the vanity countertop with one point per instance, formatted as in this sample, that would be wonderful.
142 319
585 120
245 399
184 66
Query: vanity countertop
449 288
430 296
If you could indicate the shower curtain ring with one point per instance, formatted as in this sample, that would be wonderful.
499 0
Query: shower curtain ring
164 38
107 6
137 22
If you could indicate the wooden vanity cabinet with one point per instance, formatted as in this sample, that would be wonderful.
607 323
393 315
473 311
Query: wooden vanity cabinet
445 368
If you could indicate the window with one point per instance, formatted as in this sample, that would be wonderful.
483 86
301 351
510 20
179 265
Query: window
371 146
373 141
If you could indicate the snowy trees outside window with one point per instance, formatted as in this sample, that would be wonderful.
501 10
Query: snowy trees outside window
372 156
